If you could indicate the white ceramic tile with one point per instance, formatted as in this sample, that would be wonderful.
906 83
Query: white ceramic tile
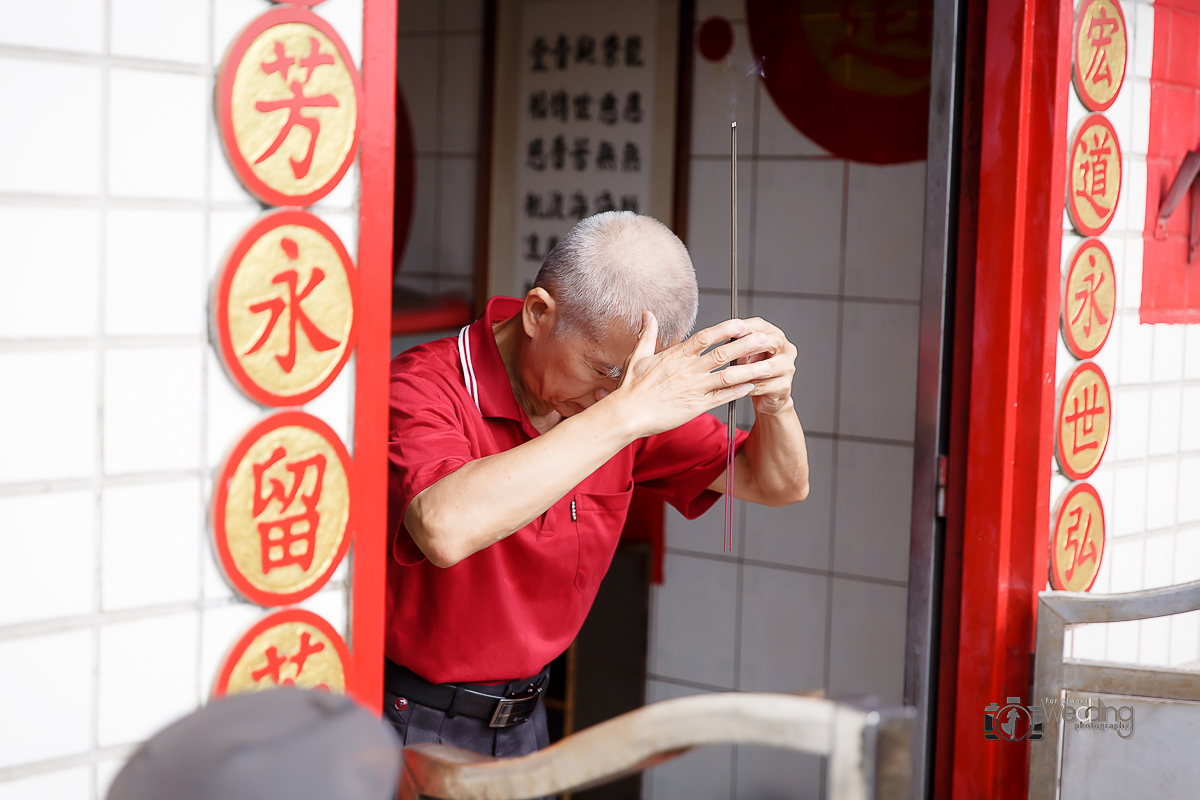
154 273
224 185
705 533
335 405
346 17
461 78
1189 430
808 324
777 136
1103 582
1136 347
1130 512
885 212
456 255
1191 353
67 784
220 629
1128 563
215 585
344 195
55 149
152 409
157 136
874 504
1189 494
1120 114
708 224
147 676
694 620
462 15
866 647
1109 357
1143 47
1187 555
783 631
225 228
1139 93
418 16
1129 290
51 271
1123 642
1168 353
1158 561
330 605
1165 406
704 772
1064 362
167 30
1131 423
768 772
48 429
229 17
1185 638
48 569
418 254
414 59
152 536
879 370
798 226
798 534
47 687
70 25
1089 642
723 92
1161 494
106 772
230 413
1154 643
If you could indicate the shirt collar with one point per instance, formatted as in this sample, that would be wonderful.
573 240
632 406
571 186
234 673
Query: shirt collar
483 369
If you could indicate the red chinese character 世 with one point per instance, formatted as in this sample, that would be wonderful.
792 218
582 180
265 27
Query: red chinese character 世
1100 30
282 66
1095 172
290 537
1085 417
1088 295
276 662
296 316
1082 550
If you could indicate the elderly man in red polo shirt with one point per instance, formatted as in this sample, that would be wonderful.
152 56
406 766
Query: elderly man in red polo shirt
513 453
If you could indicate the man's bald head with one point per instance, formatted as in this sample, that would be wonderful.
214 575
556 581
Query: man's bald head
613 266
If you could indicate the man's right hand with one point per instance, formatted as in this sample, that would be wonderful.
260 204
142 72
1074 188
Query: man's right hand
661 391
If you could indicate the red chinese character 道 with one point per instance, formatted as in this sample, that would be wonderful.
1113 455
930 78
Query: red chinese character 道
281 66
291 536
1095 172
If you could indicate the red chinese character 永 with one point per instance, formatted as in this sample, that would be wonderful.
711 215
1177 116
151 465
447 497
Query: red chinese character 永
1088 295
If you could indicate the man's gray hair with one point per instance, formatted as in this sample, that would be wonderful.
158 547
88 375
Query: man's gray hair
613 266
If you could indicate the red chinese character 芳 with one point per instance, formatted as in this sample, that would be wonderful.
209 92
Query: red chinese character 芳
1082 550
276 662
1085 417
1099 32
1095 172
296 316
1088 295
289 537
282 65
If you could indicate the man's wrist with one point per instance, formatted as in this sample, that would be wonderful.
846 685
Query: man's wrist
763 409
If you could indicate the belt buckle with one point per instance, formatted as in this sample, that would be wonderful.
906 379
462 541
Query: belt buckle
517 709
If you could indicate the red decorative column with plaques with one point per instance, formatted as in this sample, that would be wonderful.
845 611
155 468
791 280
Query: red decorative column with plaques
288 311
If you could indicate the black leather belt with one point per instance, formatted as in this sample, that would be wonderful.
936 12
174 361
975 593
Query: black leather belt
471 700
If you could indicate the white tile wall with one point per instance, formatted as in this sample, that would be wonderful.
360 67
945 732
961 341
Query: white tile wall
155 275
807 325
68 784
47 686
58 386
695 609
783 622
704 772
152 409
708 223
796 201
798 535
166 30
50 277
878 391
156 148
884 225
76 25
873 507
867 640
49 569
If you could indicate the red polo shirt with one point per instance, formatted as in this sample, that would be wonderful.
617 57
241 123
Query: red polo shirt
508 610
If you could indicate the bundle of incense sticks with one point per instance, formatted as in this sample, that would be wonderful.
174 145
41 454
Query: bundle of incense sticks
733 314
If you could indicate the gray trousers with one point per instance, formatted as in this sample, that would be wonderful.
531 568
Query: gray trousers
418 724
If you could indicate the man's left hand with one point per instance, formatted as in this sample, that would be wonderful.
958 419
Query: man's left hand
772 393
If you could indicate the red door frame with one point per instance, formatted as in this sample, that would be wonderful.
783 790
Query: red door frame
1017 73
375 221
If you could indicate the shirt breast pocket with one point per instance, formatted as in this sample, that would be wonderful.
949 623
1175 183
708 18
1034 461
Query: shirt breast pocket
598 519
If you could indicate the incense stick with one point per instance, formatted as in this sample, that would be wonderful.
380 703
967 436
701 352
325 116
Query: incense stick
733 314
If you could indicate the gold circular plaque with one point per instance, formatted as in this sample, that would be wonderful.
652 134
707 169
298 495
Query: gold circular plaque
1094 184
1083 422
284 309
283 509
289 648
1100 52
1077 541
288 107
1089 299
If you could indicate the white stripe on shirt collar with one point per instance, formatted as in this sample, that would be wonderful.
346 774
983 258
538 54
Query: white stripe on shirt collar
468 368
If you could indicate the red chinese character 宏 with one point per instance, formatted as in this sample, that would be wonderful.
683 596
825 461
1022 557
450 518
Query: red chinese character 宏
1100 38
289 538
282 66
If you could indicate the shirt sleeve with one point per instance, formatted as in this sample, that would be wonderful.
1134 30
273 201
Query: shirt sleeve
679 464
425 444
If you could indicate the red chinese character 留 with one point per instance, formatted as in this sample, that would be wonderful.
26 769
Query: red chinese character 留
1082 550
1099 32
296 316
1088 295
276 663
282 66
1095 172
1085 418
291 536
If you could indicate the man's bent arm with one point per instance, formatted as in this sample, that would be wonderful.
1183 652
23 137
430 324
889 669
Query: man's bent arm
772 466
